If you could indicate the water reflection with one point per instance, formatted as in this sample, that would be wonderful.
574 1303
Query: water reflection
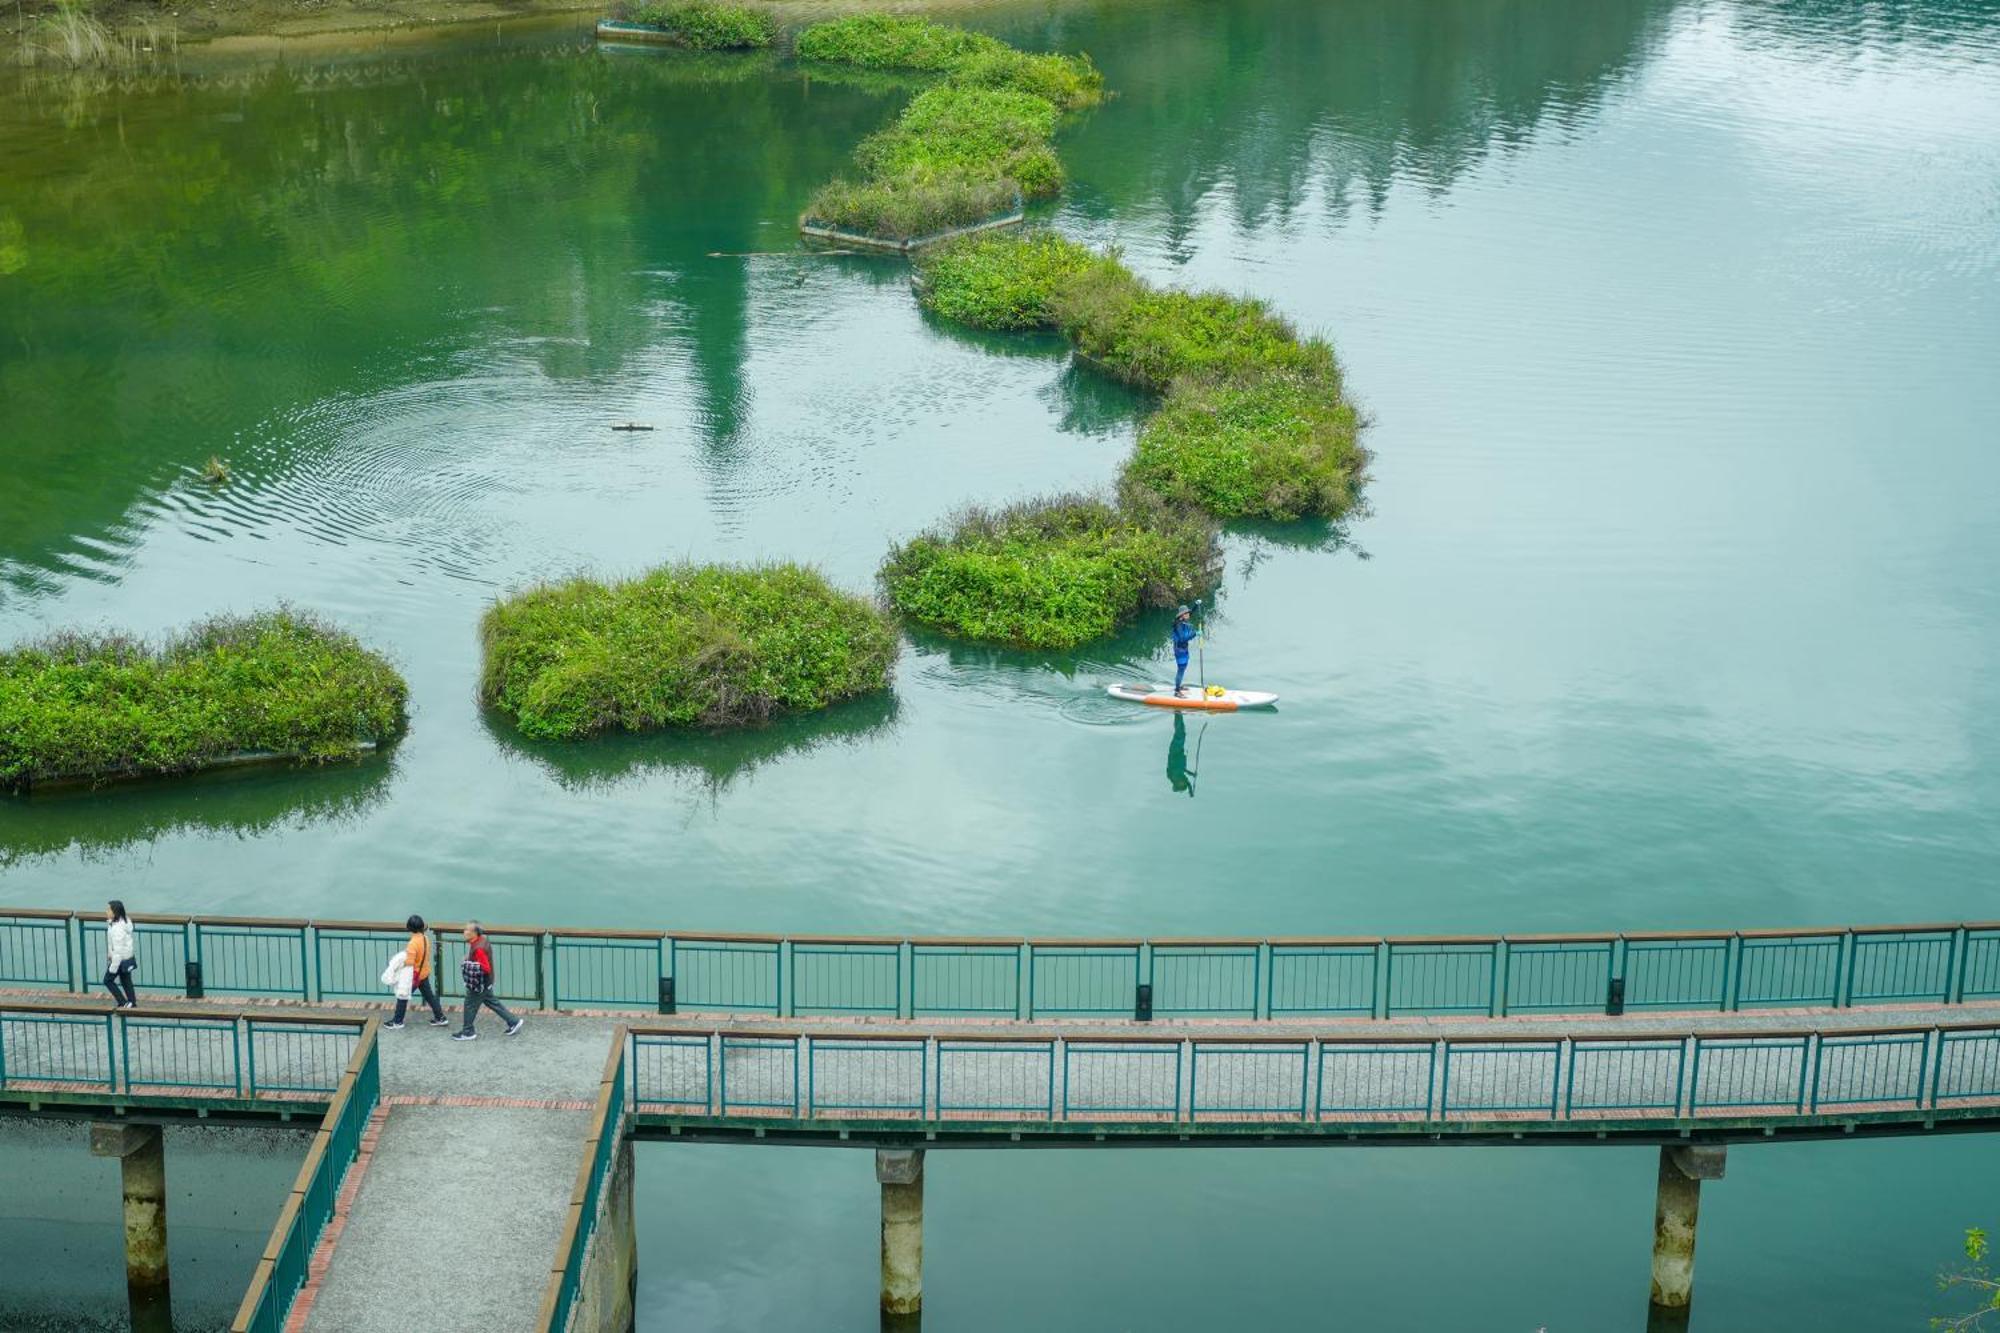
711 762
1180 774
229 803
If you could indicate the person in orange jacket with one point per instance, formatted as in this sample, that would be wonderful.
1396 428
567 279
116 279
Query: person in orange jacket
417 957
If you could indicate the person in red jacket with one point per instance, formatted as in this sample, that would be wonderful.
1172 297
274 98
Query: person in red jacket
480 977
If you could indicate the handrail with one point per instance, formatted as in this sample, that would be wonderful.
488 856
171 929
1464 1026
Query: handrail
1052 1081
911 976
264 1306
580 1224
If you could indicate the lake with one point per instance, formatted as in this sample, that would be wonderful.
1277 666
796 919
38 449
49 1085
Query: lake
1674 605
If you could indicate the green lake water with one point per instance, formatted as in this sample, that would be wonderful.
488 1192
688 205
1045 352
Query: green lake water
1678 325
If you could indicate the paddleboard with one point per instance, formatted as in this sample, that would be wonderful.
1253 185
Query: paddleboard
1162 696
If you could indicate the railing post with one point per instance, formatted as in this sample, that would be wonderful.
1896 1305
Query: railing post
70 956
1954 981
541 991
1732 976
1843 971
1502 975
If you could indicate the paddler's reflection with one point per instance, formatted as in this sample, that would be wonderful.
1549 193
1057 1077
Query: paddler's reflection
1179 776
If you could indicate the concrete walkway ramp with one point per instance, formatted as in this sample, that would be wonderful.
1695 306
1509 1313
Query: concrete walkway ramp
457 1204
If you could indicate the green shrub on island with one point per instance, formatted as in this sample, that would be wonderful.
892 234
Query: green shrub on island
1275 446
701 26
1255 423
963 150
680 646
106 705
1051 573
892 41
949 133
1007 282
1152 337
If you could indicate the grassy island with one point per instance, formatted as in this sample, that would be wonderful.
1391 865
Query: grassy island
282 683
1254 422
680 646
965 149
1051 573
701 26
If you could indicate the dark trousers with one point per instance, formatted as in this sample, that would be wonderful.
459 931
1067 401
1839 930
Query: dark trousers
473 999
121 975
429 992
1180 672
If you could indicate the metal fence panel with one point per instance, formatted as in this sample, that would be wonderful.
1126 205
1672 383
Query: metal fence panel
160 951
760 1074
847 979
517 964
1218 980
965 979
253 960
1083 979
1121 1078
1893 966
1620 1076
350 962
1787 971
882 1077
984 1077
1500 1078
672 1071
1375 1079
1968 1065
34 951
1322 979
1565 976
1737 1074
1870 1070
61 1050
1267 1078
1677 974
606 972
1980 965
1427 978
725 975
297 1057
186 1053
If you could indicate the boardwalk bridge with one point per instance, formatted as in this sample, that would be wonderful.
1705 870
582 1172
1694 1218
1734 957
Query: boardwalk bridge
1689 1041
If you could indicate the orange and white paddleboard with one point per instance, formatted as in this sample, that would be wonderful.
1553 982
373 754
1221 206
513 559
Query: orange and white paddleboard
1214 699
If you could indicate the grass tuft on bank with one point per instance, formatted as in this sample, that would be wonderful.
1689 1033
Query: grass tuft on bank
106 705
1052 573
702 26
964 149
680 646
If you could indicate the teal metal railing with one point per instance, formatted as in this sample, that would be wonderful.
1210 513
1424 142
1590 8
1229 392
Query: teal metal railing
600 1156
287 1259
892 976
147 1054
1004 1082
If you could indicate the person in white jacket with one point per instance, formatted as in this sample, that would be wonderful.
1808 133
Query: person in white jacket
120 957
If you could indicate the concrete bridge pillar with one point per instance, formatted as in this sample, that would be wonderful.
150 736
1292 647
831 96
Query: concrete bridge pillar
901 1175
143 1174
1675 1208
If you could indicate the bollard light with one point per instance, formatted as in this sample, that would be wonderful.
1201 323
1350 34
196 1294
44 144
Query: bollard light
1614 1002
1142 1005
194 991
666 995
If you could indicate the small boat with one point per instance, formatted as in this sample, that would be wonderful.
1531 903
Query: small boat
1214 699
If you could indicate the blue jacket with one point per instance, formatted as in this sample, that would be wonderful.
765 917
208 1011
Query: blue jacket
1183 634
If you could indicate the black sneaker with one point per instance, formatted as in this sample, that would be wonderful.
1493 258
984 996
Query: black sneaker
440 1022
464 1036
516 1026
391 1027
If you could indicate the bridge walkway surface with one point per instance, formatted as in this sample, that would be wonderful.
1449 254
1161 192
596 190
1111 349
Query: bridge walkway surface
457 1201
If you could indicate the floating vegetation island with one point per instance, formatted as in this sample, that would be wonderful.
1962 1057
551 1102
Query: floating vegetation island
967 150
680 646
279 685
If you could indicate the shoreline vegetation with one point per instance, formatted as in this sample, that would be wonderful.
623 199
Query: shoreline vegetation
281 684
681 646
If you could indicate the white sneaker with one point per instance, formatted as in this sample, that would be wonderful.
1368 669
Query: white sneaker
516 1026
